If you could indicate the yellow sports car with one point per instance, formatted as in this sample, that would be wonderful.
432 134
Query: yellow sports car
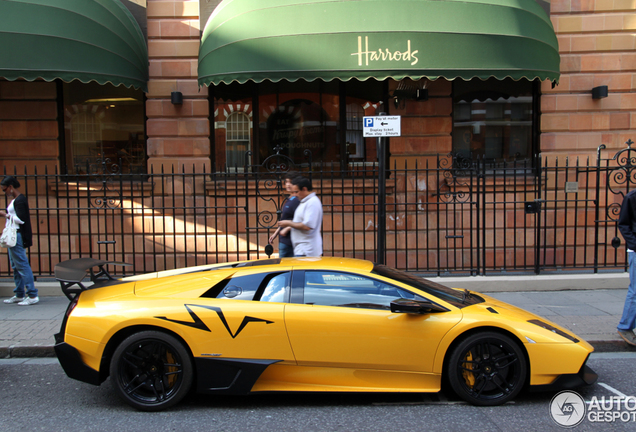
304 324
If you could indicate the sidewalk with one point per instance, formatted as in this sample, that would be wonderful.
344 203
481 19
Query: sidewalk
592 314
27 331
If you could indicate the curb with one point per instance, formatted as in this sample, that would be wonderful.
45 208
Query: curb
27 351
612 346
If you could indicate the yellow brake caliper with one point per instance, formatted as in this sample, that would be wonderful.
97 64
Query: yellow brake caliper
469 377
172 377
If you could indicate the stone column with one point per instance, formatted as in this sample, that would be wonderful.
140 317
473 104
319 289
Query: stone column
178 135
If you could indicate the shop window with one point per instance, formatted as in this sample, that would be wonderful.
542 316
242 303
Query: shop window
238 127
86 133
293 123
355 139
301 121
104 129
493 121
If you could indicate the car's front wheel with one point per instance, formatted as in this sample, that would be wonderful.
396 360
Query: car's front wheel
487 368
151 370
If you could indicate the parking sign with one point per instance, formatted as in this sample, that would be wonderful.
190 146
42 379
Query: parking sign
381 126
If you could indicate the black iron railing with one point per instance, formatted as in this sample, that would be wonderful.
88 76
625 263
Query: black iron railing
443 216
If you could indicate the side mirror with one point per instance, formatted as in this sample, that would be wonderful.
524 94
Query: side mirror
415 306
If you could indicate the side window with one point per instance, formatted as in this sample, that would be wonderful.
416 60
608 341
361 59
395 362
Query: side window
349 290
276 288
271 287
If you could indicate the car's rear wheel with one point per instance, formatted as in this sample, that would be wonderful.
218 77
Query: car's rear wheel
487 368
151 370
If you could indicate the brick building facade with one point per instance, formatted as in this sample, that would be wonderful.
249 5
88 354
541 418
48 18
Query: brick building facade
596 45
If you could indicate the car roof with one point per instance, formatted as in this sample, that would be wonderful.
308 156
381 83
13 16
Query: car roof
300 263
342 263
202 277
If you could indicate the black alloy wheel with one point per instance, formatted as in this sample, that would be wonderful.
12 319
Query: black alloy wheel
151 370
487 369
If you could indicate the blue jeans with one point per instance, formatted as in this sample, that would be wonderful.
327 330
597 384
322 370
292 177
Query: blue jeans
628 320
22 274
285 251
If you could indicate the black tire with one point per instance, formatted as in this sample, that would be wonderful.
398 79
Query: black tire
151 370
487 368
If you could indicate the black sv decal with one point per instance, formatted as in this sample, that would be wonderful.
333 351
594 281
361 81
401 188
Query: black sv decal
197 323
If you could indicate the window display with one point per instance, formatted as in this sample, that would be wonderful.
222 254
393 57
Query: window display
318 122
104 129
493 120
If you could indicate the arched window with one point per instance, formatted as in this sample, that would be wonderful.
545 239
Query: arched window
313 123
237 141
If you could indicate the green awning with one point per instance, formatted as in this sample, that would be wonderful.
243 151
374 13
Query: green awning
87 40
343 39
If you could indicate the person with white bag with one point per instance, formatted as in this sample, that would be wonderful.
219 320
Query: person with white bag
18 216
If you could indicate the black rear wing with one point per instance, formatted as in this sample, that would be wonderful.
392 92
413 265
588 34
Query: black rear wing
72 272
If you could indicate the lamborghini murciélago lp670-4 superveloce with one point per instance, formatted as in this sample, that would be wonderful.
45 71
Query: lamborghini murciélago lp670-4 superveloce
304 325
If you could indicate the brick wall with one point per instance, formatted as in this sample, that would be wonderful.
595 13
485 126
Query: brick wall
426 126
28 126
597 46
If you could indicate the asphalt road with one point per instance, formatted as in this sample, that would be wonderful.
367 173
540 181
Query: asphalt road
37 395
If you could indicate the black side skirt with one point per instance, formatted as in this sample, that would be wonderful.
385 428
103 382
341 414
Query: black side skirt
228 376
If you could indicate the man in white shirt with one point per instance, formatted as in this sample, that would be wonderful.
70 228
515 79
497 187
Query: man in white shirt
305 235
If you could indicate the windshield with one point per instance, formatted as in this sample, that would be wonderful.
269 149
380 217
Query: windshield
454 297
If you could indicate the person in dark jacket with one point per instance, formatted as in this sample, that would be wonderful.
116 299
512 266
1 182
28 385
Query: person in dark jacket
17 213
285 247
627 227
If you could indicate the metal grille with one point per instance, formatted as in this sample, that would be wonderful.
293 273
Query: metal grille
446 216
